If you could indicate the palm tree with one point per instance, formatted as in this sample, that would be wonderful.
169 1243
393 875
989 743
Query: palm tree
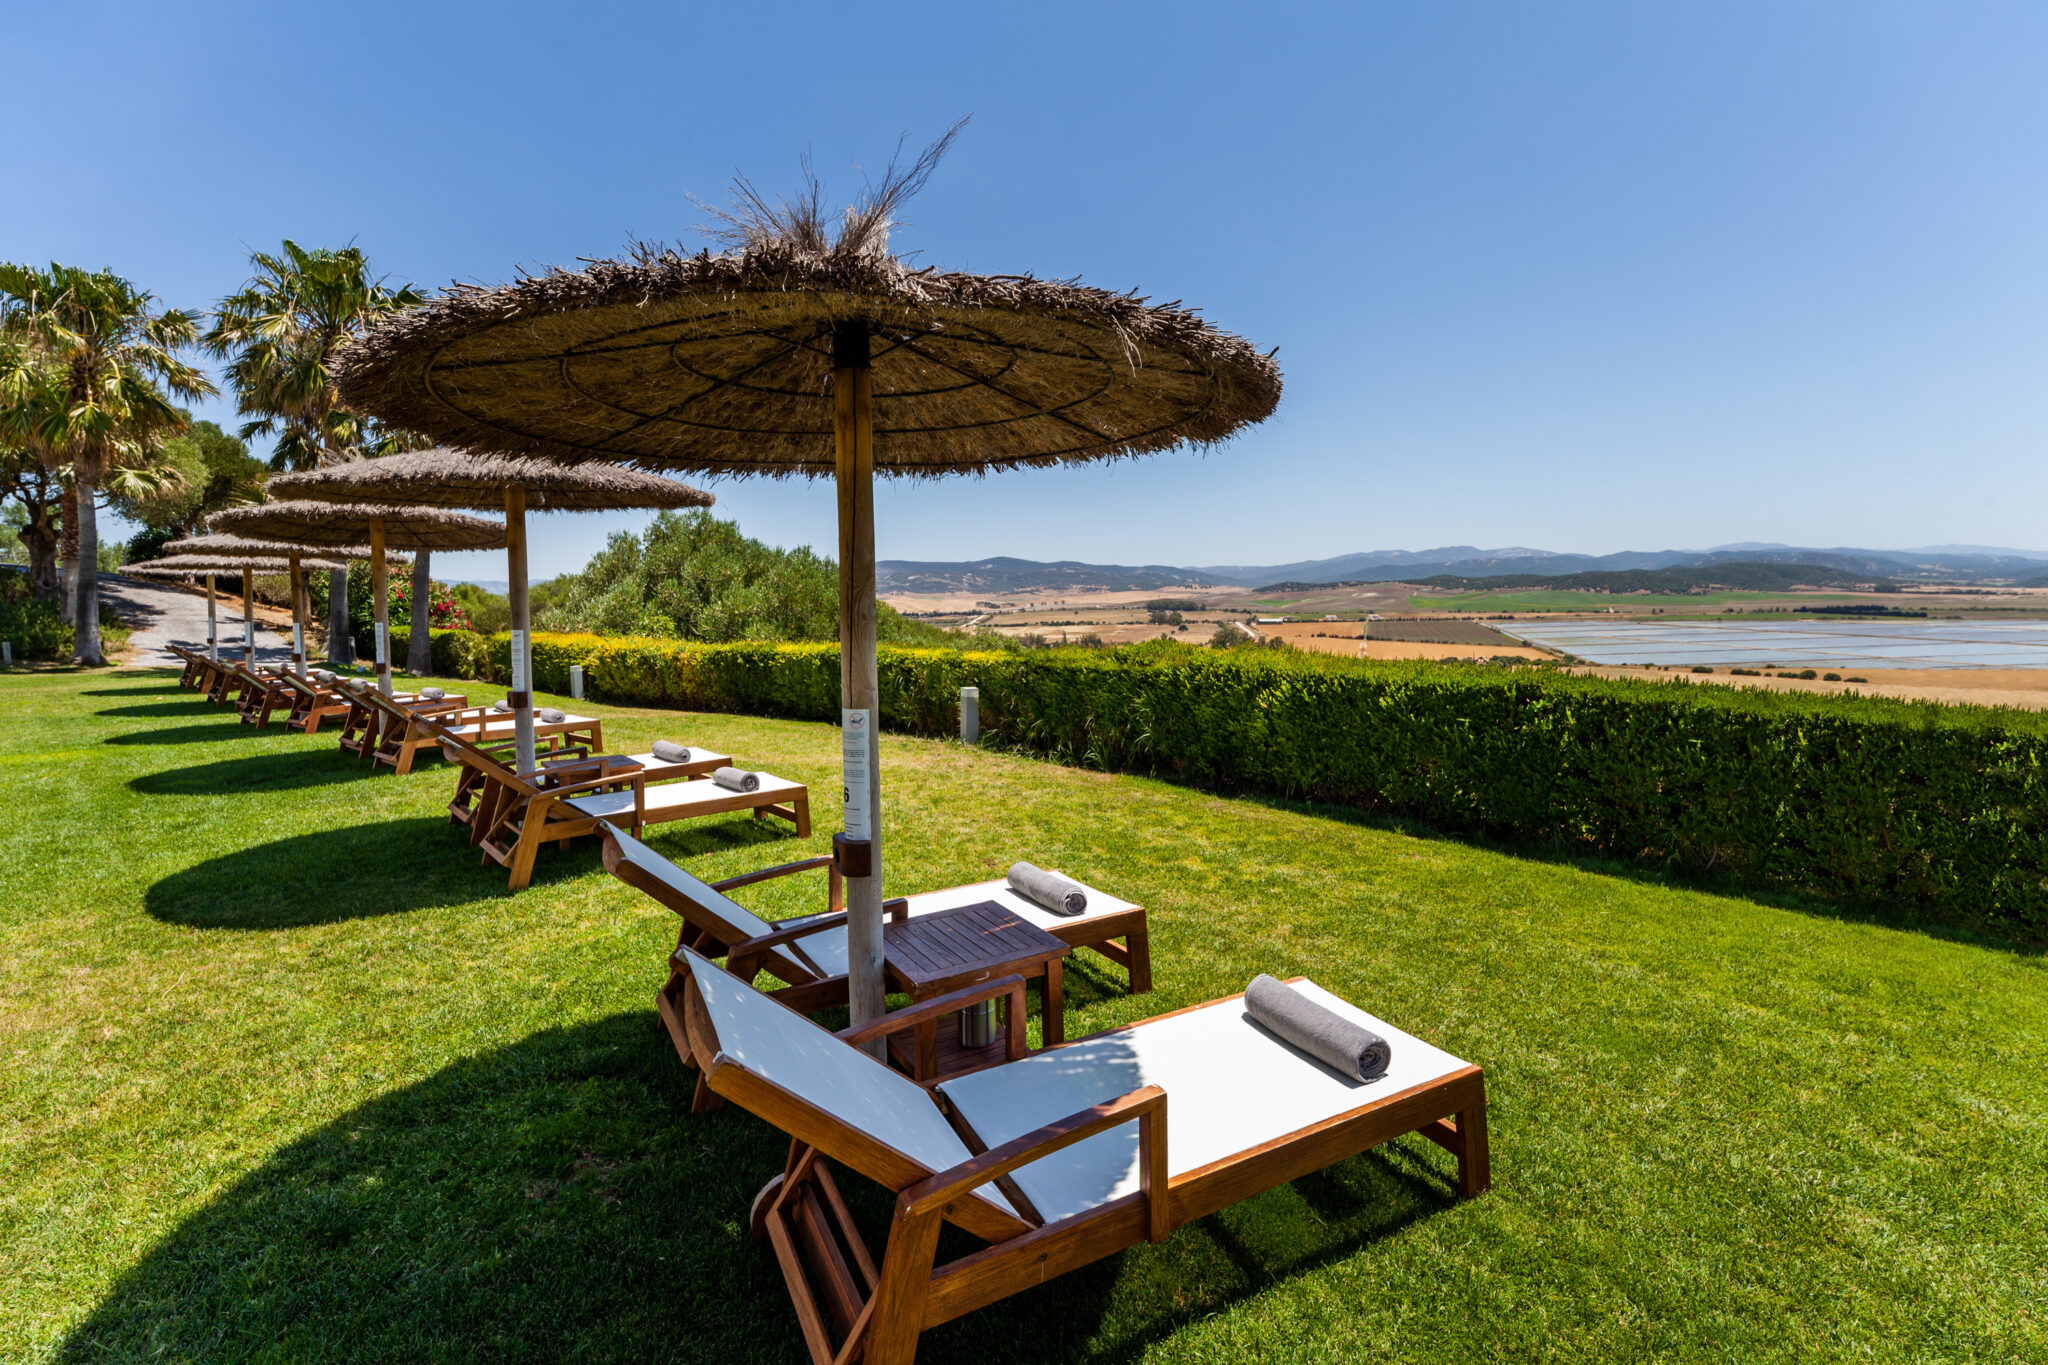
279 334
114 355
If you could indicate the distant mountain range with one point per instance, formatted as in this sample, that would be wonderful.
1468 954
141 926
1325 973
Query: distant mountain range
1946 563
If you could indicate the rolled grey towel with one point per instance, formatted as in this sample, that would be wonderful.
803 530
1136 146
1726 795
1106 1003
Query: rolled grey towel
550 716
1061 895
737 779
433 693
668 751
501 705
1350 1048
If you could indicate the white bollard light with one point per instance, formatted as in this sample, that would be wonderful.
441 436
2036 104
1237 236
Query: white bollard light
576 681
6 653
970 715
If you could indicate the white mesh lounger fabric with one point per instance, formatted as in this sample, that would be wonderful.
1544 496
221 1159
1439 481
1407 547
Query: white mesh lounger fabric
824 952
1100 904
782 1046
1230 1085
687 800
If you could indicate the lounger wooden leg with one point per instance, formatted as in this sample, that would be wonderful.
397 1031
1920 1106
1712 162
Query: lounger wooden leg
705 1100
897 1318
1053 1027
523 854
1475 1165
1138 943
803 816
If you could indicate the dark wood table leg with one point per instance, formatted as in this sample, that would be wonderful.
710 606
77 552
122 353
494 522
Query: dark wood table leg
927 1050
1053 1027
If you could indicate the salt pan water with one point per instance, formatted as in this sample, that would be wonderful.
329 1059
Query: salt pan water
1795 644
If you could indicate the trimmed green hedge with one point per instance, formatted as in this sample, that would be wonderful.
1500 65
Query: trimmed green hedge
1941 811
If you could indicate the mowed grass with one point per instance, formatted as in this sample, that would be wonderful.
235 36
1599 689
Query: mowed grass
286 1076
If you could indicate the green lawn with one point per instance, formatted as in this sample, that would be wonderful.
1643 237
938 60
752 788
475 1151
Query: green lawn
285 1075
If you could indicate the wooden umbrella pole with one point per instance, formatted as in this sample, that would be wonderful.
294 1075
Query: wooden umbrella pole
298 619
212 624
249 615
859 849
520 697
382 607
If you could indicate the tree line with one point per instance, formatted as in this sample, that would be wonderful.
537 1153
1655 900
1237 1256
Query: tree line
95 373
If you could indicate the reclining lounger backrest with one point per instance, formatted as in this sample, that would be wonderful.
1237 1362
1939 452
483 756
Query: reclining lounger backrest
831 1096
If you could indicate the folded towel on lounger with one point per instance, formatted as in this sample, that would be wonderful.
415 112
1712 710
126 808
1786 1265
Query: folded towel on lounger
668 751
433 693
550 716
737 779
1351 1049
501 704
1061 895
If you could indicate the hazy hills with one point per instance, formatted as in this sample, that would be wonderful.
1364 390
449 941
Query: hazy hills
1946 563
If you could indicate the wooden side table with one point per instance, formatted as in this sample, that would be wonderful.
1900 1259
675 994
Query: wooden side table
932 954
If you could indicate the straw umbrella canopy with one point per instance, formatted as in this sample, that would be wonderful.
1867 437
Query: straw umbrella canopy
426 480
246 563
385 528
796 352
294 551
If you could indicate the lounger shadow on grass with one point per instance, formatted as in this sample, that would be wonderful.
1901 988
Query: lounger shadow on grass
327 876
553 1200
188 705
277 771
218 733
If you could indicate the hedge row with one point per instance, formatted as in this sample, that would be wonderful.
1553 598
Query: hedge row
1938 811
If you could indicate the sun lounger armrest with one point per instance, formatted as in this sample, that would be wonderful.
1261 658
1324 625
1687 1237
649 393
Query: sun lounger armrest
895 1021
766 873
1146 1105
795 929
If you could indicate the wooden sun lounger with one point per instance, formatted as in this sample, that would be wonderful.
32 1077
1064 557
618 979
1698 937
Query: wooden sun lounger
510 814
312 702
370 713
195 664
1055 1160
808 953
645 805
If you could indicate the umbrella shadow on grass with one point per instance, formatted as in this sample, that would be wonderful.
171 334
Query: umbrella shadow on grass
277 771
554 1200
357 872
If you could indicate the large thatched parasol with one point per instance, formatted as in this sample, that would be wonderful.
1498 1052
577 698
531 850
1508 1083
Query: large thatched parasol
245 562
798 352
294 552
385 528
425 480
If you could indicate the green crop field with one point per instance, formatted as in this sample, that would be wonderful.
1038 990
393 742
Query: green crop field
285 1075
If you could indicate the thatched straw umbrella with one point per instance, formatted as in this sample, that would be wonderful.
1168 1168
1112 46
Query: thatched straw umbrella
427 479
399 528
246 563
292 551
801 352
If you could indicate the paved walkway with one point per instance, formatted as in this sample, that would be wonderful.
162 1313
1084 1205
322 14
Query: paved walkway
162 613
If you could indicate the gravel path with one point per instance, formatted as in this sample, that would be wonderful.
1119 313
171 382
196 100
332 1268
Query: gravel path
161 613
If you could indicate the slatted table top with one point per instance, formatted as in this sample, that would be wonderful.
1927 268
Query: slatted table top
931 954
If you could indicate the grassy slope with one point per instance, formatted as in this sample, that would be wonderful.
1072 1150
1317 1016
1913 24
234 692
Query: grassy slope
285 1075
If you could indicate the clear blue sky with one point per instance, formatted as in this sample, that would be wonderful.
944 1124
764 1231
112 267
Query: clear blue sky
1584 277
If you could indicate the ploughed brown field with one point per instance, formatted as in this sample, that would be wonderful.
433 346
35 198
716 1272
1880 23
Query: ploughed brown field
2026 688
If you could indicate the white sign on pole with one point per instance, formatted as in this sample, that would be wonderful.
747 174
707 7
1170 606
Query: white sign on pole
856 742
383 643
518 661
248 633
298 639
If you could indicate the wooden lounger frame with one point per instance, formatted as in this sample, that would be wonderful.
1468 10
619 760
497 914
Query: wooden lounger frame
879 1311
